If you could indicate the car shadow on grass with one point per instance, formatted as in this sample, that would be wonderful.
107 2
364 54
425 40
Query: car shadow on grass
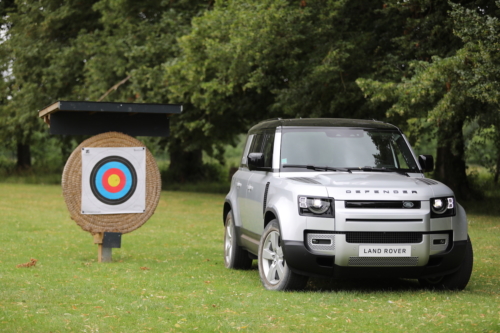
363 285
318 284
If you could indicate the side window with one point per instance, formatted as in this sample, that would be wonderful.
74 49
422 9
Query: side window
246 150
268 146
264 143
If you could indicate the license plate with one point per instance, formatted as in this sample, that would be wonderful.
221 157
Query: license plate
384 250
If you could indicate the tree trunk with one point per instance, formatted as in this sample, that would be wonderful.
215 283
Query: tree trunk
185 166
497 144
497 169
450 160
23 156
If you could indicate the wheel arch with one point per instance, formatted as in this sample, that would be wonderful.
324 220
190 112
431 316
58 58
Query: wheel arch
460 227
269 216
227 208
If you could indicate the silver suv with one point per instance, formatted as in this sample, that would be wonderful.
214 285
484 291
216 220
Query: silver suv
342 198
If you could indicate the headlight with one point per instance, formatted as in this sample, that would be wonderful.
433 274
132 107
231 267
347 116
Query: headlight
442 207
316 206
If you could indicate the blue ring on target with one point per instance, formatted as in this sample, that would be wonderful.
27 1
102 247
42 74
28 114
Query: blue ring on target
99 179
96 180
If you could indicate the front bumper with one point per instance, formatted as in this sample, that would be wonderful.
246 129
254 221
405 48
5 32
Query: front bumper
344 260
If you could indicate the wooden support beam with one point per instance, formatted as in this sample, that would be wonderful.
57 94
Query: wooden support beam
104 254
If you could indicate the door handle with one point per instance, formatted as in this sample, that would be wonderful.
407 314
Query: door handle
238 184
250 188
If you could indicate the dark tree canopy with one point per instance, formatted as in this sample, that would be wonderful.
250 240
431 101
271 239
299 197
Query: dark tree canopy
427 66
450 88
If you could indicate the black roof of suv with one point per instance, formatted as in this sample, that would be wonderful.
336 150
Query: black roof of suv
322 122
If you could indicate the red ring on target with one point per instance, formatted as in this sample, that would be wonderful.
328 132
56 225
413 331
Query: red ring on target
111 176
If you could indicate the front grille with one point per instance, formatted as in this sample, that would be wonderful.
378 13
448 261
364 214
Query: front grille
383 261
383 220
382 204
384 237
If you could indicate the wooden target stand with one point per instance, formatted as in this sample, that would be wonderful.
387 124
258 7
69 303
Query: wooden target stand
130 194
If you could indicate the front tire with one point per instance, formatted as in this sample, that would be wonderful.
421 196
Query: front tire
234 256
273 270
454 281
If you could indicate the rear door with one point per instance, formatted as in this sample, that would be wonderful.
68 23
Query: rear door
240 179
258 184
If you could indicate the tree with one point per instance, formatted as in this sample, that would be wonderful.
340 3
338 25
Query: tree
137 39
247 61
44 64
479 68
440 86
71 49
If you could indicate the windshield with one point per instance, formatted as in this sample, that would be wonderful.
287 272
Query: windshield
345 148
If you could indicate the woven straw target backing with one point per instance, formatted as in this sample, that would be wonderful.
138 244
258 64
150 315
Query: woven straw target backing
72 187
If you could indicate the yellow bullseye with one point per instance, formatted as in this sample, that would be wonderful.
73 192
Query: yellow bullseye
114 180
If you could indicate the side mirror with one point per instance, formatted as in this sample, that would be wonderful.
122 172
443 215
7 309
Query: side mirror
255 161
426 162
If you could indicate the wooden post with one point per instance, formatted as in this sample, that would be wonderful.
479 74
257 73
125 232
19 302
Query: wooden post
103 253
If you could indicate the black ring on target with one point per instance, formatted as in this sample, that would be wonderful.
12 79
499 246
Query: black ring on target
128 176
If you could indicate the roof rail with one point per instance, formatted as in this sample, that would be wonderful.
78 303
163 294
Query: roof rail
269 120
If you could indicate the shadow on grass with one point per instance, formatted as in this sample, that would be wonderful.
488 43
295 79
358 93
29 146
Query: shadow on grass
368 285
362 285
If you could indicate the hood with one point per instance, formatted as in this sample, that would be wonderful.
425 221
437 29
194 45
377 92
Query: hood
379 186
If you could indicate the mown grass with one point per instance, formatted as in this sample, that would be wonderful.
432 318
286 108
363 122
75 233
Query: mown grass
169 276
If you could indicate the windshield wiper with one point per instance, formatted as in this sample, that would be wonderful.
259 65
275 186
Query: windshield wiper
369 168
315 167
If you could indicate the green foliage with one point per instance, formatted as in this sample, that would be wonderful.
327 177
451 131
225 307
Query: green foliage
481 149
450 86
210 172
271 58
480 59
136 38
44 63
427 66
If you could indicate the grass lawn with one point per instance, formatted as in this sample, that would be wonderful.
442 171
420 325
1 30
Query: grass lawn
169 276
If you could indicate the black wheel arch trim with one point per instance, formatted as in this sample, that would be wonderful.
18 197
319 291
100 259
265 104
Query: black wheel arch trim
228 207
267 219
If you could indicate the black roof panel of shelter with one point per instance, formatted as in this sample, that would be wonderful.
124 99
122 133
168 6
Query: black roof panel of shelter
91 118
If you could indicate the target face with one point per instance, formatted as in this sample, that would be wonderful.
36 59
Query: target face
113 180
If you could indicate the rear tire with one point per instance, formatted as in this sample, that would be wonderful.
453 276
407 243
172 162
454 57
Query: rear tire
273 270
234 256
454 281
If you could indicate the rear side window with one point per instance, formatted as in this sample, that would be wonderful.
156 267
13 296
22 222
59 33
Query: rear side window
264 143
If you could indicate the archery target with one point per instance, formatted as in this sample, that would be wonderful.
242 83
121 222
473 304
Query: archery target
113 180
